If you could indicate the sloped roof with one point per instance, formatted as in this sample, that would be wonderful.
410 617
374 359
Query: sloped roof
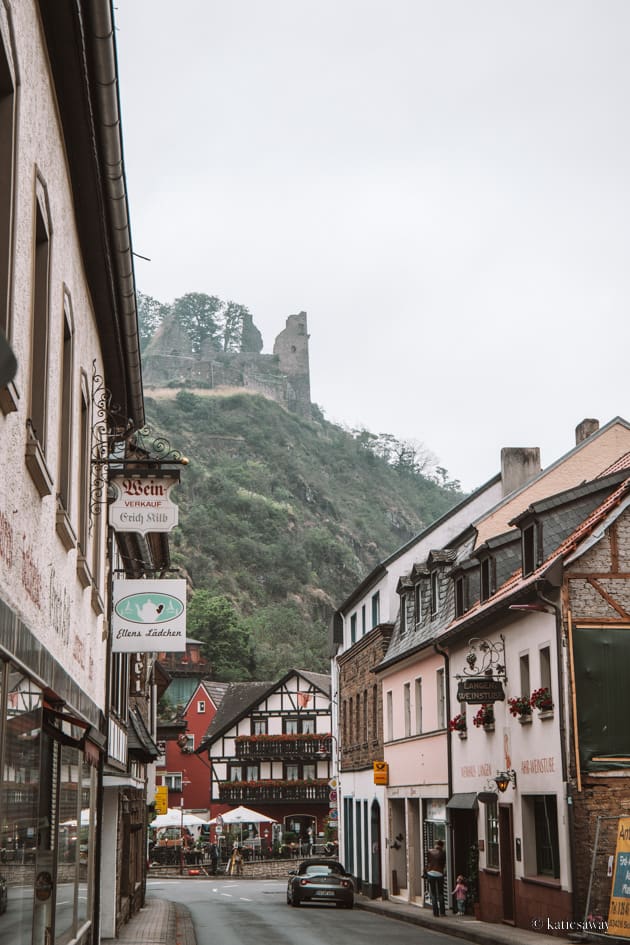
240 699
140 744
573 545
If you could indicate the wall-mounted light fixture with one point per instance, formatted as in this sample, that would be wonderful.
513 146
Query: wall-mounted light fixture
503 778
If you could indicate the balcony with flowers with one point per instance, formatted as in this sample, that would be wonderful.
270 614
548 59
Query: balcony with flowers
273 790
284 746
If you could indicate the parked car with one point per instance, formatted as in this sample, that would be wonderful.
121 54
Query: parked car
320 881
4 895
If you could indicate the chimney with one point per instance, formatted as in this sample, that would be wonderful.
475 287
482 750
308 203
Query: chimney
585 429
519 464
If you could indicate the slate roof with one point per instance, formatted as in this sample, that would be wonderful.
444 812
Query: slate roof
216 690
320 680
612 505
140 743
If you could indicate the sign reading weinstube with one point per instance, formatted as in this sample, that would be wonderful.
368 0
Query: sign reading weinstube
149 617
143 504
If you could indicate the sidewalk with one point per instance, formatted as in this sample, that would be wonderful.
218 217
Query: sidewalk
160 922
485 933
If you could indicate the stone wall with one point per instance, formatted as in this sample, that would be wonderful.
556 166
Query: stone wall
361 745
283 376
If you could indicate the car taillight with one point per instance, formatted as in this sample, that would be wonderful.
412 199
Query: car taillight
346 883
303 882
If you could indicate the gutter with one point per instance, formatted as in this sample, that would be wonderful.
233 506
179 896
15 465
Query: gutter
101 40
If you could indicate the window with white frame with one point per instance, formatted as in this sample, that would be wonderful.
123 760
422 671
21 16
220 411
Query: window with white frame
259 727
201 706
523 662
376 609
407 708
172 780
418 697
441 698
545 668
492 835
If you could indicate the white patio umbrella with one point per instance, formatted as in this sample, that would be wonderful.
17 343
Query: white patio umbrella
243 815
174 818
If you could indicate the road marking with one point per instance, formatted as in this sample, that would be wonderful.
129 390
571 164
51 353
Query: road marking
229 895
244 899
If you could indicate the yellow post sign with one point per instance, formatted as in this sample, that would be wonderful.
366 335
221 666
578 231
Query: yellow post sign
161 799
381 772
619 914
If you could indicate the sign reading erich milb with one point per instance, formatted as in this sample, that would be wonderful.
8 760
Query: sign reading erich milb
142 505
149 616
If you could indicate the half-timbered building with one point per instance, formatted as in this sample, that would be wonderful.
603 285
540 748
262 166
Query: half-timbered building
270 749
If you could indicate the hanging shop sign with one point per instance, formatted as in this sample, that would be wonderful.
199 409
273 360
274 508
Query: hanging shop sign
480 689
143 504
619 912
149 616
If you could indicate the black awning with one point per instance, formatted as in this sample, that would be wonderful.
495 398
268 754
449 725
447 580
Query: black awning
463 802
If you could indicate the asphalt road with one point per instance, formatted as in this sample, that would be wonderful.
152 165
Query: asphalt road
239 912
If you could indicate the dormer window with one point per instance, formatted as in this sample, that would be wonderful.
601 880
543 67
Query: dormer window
403 613
531 547
486 578
461 595
435 592
417 591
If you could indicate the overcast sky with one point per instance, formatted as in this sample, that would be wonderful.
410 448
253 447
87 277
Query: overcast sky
443 185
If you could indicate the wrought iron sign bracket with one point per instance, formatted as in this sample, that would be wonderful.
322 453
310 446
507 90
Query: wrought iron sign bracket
485 658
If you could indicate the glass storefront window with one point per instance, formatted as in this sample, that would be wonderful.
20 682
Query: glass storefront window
19 798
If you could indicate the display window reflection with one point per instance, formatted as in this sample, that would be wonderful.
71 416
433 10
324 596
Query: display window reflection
19 797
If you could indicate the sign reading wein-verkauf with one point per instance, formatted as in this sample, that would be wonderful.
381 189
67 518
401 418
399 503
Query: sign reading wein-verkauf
142 504
149 616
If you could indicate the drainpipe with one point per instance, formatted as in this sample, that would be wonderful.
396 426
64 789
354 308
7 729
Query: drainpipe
563 753
449 757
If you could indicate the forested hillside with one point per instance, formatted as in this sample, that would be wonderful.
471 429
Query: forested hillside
280 518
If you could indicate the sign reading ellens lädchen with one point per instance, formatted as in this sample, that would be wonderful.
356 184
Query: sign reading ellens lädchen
619 912
149 616
143 504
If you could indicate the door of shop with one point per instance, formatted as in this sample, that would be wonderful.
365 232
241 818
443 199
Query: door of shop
506 853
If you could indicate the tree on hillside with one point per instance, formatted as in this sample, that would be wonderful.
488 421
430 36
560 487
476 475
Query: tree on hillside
151 314
197 314
284 636
215 621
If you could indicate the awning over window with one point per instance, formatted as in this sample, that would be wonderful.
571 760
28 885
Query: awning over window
463 802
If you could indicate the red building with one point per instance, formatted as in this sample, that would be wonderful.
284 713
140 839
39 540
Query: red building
187 775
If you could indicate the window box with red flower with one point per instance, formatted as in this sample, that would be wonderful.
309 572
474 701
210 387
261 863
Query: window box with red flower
521 709
541 700
485 717
458 724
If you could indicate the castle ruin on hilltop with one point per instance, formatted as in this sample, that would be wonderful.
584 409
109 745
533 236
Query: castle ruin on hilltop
284 376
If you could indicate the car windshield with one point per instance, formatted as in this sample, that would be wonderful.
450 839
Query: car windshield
319 869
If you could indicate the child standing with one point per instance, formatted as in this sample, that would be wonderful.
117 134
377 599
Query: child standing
460 892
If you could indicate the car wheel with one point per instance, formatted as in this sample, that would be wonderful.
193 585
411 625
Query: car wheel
295 901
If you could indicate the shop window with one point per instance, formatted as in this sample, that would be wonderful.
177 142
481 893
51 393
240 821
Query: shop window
492 835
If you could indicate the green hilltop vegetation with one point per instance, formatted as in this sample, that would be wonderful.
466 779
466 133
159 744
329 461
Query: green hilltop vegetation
281 516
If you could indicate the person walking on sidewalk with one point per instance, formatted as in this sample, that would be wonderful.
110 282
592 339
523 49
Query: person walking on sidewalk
436 864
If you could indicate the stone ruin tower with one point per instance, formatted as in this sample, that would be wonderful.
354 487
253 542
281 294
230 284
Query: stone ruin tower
291 349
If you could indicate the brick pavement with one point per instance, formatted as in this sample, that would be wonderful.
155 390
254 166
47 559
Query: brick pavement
160 922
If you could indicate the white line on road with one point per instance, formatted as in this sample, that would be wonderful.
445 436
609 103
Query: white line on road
244 899
229 895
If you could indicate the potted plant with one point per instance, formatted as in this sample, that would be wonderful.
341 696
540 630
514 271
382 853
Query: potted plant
521 708
485 717
458 724
541 700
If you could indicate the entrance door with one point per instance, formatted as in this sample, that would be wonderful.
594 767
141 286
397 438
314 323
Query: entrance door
376 883
506 852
